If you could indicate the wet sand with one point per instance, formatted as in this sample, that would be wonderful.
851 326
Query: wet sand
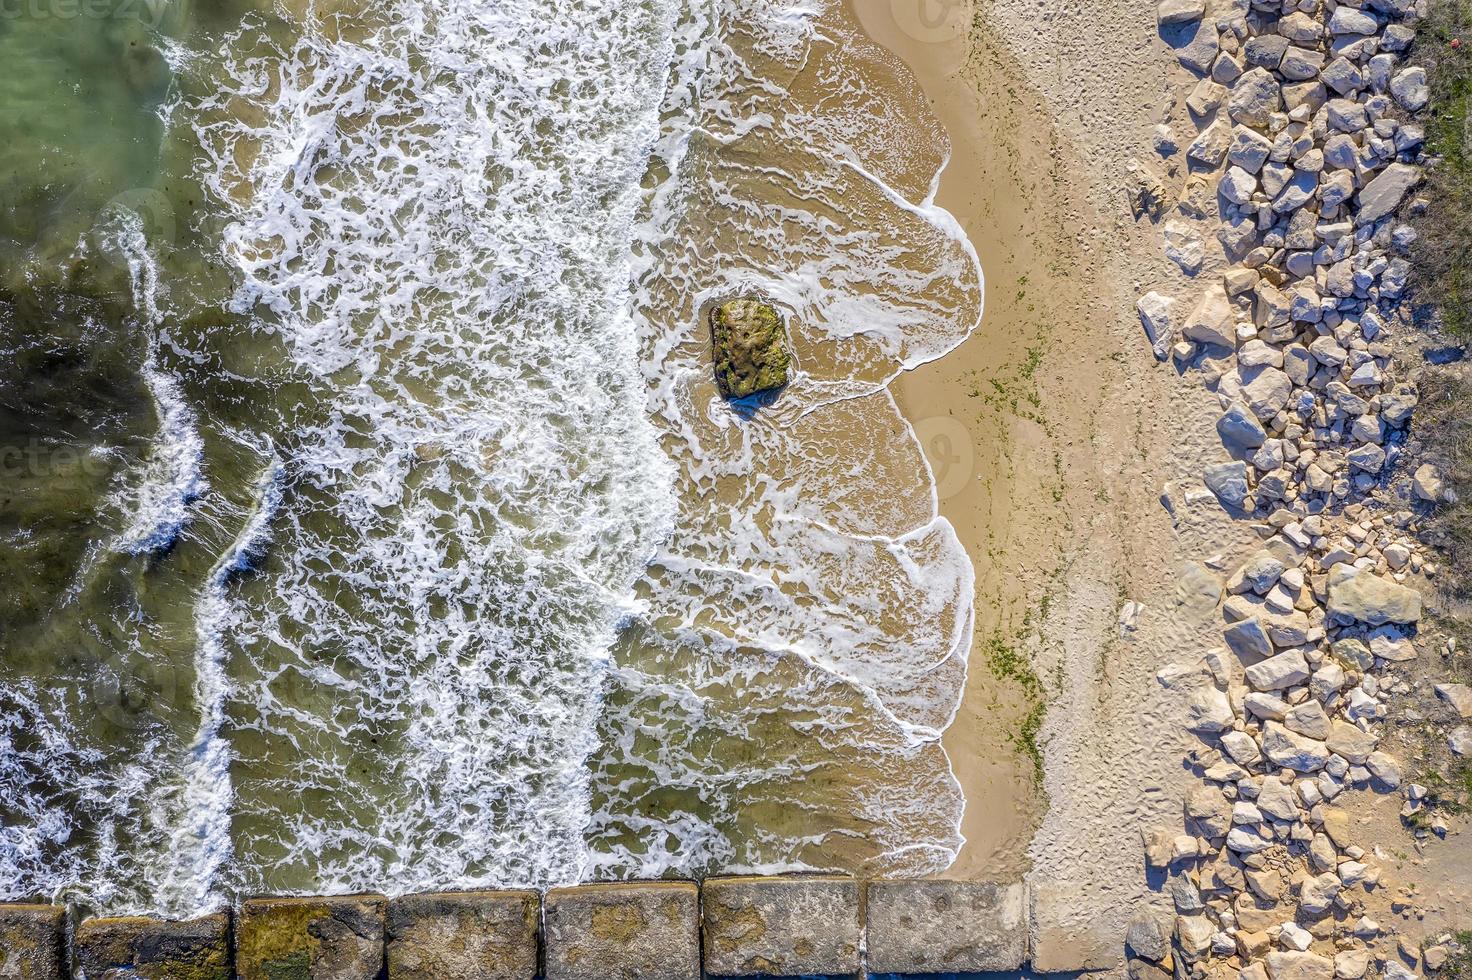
981 411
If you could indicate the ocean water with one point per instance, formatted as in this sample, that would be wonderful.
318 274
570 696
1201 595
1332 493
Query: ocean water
372 520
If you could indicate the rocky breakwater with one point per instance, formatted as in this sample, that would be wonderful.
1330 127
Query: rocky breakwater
797 925
1306 150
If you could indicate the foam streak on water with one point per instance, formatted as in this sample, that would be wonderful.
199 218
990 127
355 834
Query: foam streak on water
157 500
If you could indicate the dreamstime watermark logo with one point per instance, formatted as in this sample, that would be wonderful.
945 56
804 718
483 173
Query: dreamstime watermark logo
129 699
933 21
148 12
37 458
947 444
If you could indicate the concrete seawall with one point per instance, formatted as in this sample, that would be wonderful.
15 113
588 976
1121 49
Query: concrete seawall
666 930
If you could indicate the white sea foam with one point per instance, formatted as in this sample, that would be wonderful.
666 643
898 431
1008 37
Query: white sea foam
202 843
435 220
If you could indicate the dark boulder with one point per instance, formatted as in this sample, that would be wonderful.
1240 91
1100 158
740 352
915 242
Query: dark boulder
750 347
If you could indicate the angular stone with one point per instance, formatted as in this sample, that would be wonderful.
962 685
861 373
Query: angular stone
750 347
1428 483
1316 896
1459 696
1301 188
792 926
1237 186
1279 673
1249 149
634 931
1383 195
310 938
1276 799
1365 596
946 927
1208 815
1410 89
32 942
466 935
1292 965
1266 50
1353 745
1240 429
1255 97
152 949
1147 938
1385 768
1348 20
1208 711
1158 319
1172 12
1184 247
1211 145
1308 719
1301 64
1261 571
1213 321
1369 457
1266 390
1228 481
1293 751
1248 639
1196 44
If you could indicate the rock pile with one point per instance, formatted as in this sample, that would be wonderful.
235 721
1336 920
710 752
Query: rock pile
1307 148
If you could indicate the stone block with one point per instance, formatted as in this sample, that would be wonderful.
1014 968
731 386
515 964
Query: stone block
152 949
946 927
791 926
32 943
311 938
629 931
465 935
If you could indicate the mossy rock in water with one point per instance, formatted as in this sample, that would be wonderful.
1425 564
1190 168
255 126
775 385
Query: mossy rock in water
750 347
151 949
31 942
311 938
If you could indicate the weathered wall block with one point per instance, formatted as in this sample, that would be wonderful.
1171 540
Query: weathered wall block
311 938
135 948
634 931
792 926
946 927
464 936
811 925
32 942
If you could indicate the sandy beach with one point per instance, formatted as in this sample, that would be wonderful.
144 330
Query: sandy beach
1075 437
1096 547
1032 391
